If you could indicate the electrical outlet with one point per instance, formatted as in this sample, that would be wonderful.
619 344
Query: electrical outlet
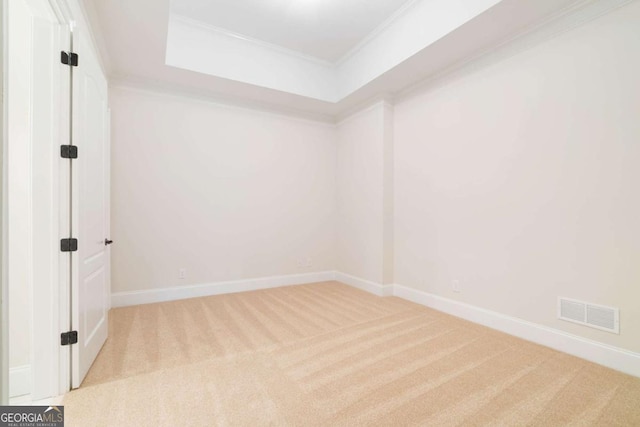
455 285
304 262
182 273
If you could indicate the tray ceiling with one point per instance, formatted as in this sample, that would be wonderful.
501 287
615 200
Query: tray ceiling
317 58
324 29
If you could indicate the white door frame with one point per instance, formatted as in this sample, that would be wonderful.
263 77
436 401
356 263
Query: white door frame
54 360
50 207
4 312
47 119
47 186
53 363
64 304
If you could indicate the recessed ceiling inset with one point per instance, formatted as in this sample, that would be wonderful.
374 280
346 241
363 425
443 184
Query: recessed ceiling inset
324 29
160 46
200 46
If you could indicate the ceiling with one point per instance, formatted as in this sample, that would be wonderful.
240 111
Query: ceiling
147 44
324 29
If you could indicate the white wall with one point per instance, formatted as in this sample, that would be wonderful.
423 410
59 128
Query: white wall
521 180
223 192
365 191
415 29
195 46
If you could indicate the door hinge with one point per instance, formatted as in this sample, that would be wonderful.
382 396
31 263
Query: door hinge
68 338
69 151
69 245
69 58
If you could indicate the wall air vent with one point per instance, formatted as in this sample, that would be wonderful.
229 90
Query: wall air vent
592 315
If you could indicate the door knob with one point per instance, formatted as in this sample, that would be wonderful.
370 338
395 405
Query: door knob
107 242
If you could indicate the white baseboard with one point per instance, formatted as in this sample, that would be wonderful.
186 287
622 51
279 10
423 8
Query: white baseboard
20 381
364 285
124 299
593 351
27 401
603 354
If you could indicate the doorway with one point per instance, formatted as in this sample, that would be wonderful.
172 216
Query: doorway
55 291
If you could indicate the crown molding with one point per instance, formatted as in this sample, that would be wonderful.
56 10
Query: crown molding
345 117
577 14
404 9
142 85
274 47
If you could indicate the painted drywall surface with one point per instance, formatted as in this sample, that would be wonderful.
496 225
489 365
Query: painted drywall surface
225 193
205 49
421 25
197 47
520 180
388 277
359 235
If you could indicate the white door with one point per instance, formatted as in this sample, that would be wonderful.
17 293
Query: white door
90 188
37 112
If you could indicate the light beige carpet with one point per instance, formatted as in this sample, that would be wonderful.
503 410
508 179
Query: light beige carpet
329 355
